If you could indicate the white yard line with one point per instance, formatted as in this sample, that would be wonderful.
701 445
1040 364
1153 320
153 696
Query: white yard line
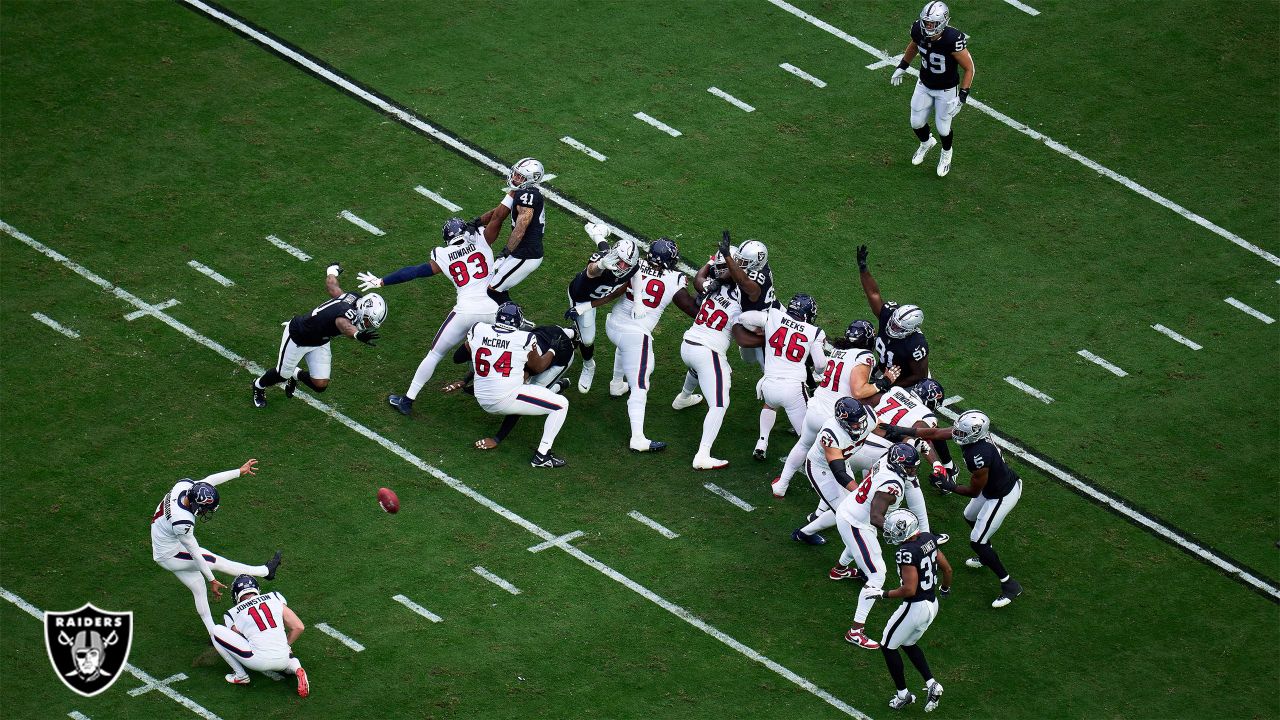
1246 309
887 62
743 504
461 487
417 608
288 248
802 74
77 715
360 222
583 148
1024 8
56 325
1028 389
645 117
646 520
157 684
496 580
1041 137
438 199
1097 360
158 306
1180 338
557 542
952 400
327 629
212 274
730 99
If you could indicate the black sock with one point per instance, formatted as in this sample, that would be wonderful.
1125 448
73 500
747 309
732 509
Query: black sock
990 558
916 655
896 670
922 133
946 141
304 377
588 352
944 451
508 424
269 378
499 296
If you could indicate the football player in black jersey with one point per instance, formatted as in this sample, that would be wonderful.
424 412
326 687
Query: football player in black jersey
523 252
603 280
942 49
306 337
919 561
899 341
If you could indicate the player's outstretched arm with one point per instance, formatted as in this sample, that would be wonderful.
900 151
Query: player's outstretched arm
369 281
869 284
331 274
346 327
835 461
907 56
246 469
749 287
292 624
686 302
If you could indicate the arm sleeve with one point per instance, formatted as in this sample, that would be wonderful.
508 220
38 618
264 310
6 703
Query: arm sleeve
838 468
406 274
219 478
188 540
752 319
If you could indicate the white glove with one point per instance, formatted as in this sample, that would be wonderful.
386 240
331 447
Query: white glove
598 231
896 78
953 107
609 261
871 593
334 270
368 281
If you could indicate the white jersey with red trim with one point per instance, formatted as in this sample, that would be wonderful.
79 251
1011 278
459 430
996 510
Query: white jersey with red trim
655 288
260 619
498 356
832 435
713 325
856 508
171 520
788 343
841 363
468 266
900 406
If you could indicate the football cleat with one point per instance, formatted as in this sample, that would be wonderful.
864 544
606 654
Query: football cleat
709 463
237 679
973 562
259 397
856 636
639 446
683 401
923 150
842 572
780 487
759 453
401 403
290 386
618 388
273 564
304 687
588 374
897 702
934 690
560 386
943 539
1008 591
546 460
808 539
944 163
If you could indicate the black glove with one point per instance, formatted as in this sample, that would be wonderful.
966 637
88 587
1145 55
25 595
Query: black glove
571 314
882 384
505 252
862 258
367 337
964 95
710 286
944 592
724 244
893 433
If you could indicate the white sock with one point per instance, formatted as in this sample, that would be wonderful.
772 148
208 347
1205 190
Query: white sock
294 666
617 365
233 568
423 374
555 421
864 607
825 520
690 384
635 410
195 583
768 416
795 459
710 429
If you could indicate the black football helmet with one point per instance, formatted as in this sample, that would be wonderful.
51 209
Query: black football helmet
509 315
244 584
903 459
454 230
860 334
203 499
929 391
663 253
855 418
803 307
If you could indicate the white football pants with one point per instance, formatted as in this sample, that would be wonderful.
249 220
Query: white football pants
923 100
710 371
450 335
988 514
633 359
319 358
862 546
185 568
907 624
534 400
239 654
509 271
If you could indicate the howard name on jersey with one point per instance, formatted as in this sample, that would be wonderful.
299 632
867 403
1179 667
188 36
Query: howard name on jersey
1000 477
712 326
531 246
260 619
768 299
584 288
921 552
498 358
468 266
897 351
655 291
835 378
321 326
169 521
856 508
937 66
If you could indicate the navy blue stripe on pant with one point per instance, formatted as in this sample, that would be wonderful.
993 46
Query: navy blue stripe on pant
644 363
447 319
866 554
537 401
715 362
233 648
187 556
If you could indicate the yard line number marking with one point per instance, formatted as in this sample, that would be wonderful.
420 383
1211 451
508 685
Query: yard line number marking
802 74
437 199
288 248
360 223
646 520
327 629
743 504
583 148
1028 389
730 99
645 117
1180 338
496 580
212 274
1246 309
1097 360
56 325
417 608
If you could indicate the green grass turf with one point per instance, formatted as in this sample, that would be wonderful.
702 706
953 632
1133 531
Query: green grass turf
137 137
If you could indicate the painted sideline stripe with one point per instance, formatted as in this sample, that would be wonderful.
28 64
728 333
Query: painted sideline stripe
56 325
470 492
130 317
1024 8
730 99
645 519
553 542
802 74
1041 137
359 222
212 274
887 62
579 146
657 123
1180 338
327 629
729 496
417 608
1245 308
1097 360
1028 389
496 580
437 199
288 248
952 400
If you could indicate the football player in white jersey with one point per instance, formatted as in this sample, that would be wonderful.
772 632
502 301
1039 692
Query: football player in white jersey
630 328
468 260
258 634
859 517
173 539
790 341
502 356
825 465
913 408
848 374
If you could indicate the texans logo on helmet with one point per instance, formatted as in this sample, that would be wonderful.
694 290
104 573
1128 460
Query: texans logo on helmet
88 647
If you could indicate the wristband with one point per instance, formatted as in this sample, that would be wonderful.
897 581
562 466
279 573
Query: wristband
964 95
882 384
904 64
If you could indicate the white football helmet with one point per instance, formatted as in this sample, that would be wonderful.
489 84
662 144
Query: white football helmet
899 525
528 170
371 311
971 426
934 18
621 257
751 255
904 320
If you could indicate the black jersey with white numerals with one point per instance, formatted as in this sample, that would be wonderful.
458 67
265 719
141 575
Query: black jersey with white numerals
531 245
584 288
937 65
321 325
1000 477
921 552
768 298
898 351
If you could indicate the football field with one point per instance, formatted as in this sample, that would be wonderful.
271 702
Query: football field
1098 272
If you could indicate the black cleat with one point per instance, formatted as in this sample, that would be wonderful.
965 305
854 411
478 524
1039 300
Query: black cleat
800 536
1008 591
654 446
272 564
546 460
259 397
558 387
401 403
290 386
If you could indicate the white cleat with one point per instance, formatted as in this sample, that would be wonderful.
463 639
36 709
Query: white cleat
973 562
237 679
934 691
618 388
588 374
683 401
709 463
923 150
944 163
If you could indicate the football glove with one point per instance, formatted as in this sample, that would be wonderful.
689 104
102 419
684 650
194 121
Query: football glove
575 311
334 270
953 107
725 245
368 281
368 337
944 592
896 78
945 482
710 286
862 258
871 593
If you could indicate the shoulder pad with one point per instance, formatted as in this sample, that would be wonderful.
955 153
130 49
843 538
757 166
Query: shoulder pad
892 486
953 38
350 297
864 357
828 439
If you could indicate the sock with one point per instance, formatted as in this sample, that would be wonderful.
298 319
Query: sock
768 416
690 384
710 429
617 366
896 669
635 411
916 655
552 427
946 141
499 296
269 378
508 424
822 522
195 583
294 666
864 609
588 352
989 558
922 133
795 459
423 374
304 377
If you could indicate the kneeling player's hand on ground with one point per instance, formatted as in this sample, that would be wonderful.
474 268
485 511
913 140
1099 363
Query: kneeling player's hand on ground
368 281
486 444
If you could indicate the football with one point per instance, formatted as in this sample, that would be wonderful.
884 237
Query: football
388 500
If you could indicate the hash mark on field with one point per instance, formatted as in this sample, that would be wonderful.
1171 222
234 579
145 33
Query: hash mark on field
730 99
1246 309
1028 389
1180 338
1048 141
1024 8
645 519
417 608
1097 360
158 306
437 199
288 248
952 400
212 274
579 146
496 580
56 325
729 496
77 715
360 223
327 629
887 62
802 74
657 123
157 684
557 541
